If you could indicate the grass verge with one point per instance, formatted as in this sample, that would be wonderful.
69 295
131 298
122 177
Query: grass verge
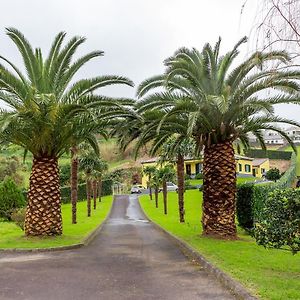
267 273
12 236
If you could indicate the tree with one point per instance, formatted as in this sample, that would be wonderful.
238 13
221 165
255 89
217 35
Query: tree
43 105
166 174
222 104
100 171
156 181
149 171
273 174
178 149
90 162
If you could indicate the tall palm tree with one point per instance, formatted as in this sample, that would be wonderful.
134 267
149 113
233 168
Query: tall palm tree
177 150
149 171
43 104
90 162
100 171
223 104
166 174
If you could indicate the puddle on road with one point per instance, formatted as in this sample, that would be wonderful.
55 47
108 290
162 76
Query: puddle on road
133 212
133 215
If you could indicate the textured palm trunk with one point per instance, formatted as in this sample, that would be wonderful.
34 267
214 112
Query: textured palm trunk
43 213
165 197
156 196
74 183
95 193
88 195
100 188
219 192
180 179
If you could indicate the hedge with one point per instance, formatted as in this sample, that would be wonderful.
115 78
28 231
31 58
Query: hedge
280 227
271 154
251 198
66 191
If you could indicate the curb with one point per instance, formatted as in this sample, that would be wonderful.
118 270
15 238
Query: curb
232 285
85 242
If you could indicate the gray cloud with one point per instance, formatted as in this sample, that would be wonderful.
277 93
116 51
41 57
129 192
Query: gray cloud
135 35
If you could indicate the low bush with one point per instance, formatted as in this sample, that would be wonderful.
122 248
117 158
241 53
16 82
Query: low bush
273 174
66 191
18 216
280 225
244 206
252 198
11 198
199 176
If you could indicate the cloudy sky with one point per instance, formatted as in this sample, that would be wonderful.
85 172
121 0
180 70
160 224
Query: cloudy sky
135 35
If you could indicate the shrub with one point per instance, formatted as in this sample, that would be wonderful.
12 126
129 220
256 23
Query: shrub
10 198
64 174
244 206
18 216
259 193
280 227
66 191
199 176
273 174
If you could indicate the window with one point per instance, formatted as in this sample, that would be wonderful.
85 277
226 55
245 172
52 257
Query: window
240 168
247 168
263 170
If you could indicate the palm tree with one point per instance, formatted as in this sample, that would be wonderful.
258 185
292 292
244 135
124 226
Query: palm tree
177 150
43 105
100 171
149 171
155 182
90 162
222 105
166 174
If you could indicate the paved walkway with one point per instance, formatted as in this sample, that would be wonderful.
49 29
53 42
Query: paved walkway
129 259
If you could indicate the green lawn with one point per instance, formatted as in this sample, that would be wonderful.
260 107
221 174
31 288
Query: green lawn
239 180
12 236
298 157
270 274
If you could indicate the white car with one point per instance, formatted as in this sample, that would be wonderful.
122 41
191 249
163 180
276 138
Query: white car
137 189
171 187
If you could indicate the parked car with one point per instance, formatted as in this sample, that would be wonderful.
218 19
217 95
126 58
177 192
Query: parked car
172 187
137 189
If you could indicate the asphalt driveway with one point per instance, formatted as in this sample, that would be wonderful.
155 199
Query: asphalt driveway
129 259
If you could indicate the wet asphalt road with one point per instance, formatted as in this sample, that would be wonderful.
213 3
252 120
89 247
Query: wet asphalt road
129 259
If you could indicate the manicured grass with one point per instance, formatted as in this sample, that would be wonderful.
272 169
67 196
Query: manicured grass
298 157
12 236
269 274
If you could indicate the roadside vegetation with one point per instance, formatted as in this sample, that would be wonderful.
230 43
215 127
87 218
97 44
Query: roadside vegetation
11 236
268 273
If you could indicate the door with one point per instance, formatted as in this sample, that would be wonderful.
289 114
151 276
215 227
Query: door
188 169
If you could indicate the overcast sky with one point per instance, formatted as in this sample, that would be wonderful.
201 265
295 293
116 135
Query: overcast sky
135 35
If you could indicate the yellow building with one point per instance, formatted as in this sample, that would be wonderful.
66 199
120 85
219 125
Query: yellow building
245 166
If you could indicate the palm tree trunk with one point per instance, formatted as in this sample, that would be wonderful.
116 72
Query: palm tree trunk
150 189
88 195
95 193
165 195
180 179
219 192
156 196
74 183
100 188
43 213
